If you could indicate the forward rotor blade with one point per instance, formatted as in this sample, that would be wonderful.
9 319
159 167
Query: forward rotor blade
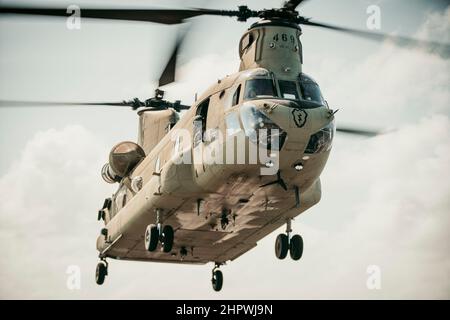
442 48
164 16
365 133
292 4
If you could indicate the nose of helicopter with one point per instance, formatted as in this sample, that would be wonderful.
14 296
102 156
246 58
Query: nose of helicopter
297 118
298 129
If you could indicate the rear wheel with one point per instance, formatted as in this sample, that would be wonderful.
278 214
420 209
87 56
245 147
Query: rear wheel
167 238
217 280
281 246
296 247
151 238
100 273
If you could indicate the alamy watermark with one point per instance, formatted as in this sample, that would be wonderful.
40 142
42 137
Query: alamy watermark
211 147
73 22
73 281
373 281
373 21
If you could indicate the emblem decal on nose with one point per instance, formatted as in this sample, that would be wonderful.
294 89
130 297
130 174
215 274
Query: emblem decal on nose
300 116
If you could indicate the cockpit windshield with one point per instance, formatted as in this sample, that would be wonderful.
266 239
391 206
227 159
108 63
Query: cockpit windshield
258 87
310 90
305 88
288 89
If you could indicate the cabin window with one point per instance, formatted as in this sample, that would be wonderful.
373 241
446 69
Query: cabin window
200 122
288 89
256 88
236 95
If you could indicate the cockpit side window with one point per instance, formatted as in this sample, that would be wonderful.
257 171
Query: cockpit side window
311 92
255 88
236 95
288 89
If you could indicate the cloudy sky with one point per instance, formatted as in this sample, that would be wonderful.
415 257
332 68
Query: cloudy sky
385 200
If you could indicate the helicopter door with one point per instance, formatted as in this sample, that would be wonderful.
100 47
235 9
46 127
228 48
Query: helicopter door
199 129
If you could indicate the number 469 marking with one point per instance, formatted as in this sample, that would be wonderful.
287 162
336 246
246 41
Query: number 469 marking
284 37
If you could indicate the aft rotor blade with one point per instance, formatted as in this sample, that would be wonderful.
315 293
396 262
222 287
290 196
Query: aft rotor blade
365 133
168 74
20 103
443 48
292 4
164 16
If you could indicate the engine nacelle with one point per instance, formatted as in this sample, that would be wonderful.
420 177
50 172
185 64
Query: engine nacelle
123 158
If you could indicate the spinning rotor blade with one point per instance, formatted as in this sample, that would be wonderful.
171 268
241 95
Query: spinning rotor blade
20 103
168 74
164 16
153 104
292 4
398 40
365 133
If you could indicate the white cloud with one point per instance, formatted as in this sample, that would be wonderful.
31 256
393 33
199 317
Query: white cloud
47 203
200 73
400 222
390 87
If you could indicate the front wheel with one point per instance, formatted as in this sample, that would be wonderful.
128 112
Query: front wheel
296 247
281 246
217 280
167 238
151 238
100 273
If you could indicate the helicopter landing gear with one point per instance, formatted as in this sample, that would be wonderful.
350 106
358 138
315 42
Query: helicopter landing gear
217 278
155 234
101 272
151 237
296 247
167 238
283 244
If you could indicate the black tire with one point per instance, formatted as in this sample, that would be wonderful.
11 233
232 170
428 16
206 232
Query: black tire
100 273
296 247
151 238
167 238
281 246
217 280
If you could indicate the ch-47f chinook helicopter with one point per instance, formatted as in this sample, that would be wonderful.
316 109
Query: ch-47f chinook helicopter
196 211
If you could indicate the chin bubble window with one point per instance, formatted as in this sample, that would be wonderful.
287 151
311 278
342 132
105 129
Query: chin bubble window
261 129
255 88
321 141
